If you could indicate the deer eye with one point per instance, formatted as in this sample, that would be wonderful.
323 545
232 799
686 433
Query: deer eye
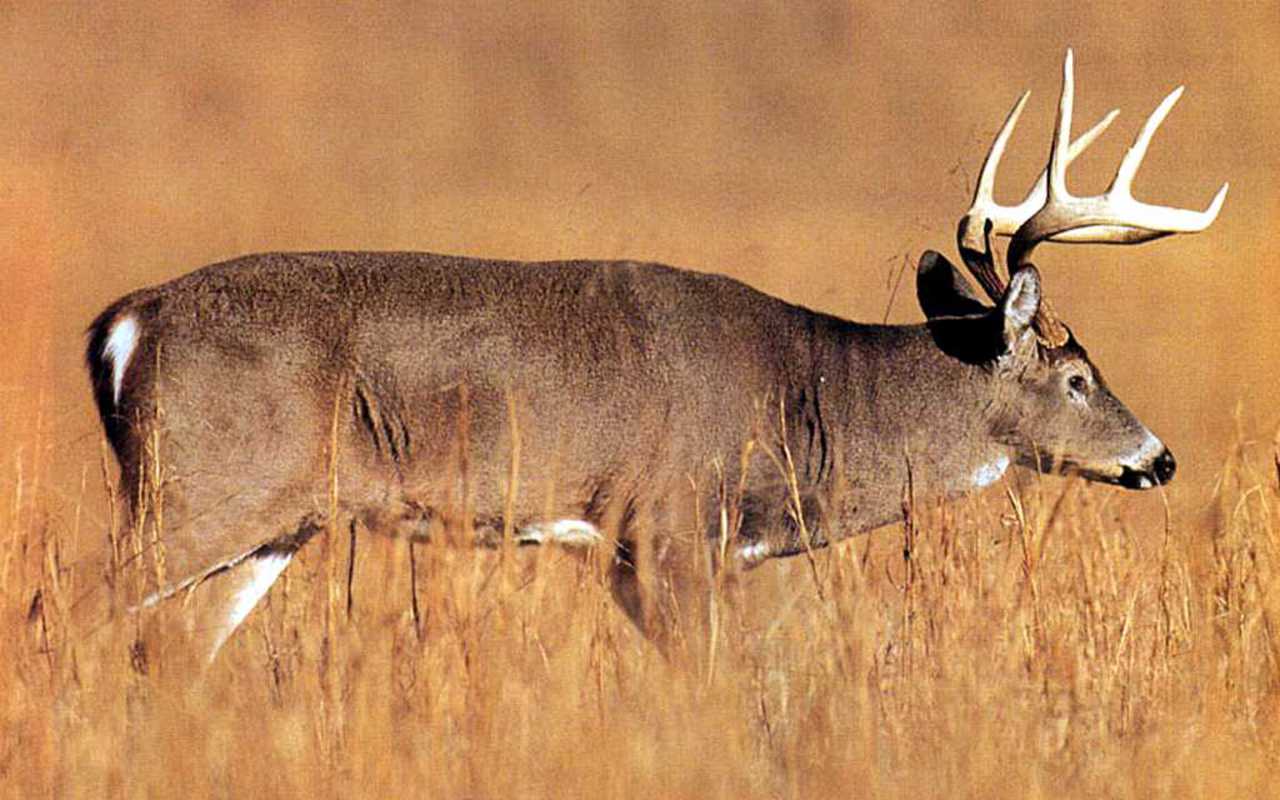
1078 384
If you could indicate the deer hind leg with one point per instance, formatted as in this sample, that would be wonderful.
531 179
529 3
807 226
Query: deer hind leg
223 599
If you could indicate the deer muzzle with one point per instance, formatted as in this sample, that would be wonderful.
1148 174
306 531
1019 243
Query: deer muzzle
1159 472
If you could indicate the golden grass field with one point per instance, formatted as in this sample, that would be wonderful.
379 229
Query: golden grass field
1046 638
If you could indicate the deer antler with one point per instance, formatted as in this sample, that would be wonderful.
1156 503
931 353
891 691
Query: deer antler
973 234
1051 213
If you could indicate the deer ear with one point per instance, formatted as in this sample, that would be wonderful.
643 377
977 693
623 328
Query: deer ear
1021 302
943 291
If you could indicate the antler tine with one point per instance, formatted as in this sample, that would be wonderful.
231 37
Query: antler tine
1062 130
986 217
1048 326
1113 217
973 235
1039 193
1123 181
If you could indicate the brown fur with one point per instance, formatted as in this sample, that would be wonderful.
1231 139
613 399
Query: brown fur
628 392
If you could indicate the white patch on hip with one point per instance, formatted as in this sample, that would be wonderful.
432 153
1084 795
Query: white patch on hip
569 532
989 473
262 573
755 552
119 347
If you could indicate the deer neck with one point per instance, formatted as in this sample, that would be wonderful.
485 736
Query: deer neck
903 420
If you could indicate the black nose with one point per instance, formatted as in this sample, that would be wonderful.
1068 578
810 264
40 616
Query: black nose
1164 466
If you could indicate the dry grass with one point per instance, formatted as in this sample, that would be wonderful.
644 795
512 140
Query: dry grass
1039 641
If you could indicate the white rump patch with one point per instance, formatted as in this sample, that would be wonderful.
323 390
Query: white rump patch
569 532
258 573
755 552
988 474
119 347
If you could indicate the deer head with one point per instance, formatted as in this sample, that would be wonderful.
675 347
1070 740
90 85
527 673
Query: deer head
1056 410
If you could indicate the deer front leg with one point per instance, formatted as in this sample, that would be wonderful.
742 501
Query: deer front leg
665 575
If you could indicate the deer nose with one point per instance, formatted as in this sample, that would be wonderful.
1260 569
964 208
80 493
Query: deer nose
1164 466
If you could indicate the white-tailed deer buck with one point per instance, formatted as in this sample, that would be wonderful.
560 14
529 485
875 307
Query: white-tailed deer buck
258 401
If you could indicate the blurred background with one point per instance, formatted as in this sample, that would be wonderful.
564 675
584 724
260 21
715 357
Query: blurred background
812 150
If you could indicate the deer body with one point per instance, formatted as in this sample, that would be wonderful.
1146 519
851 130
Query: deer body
624 383
416 394
639 377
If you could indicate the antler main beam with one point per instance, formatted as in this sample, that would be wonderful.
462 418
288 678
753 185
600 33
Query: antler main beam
973 234
1051 213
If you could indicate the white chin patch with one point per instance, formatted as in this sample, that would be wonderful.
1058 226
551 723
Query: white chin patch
989 473
119 347
568 532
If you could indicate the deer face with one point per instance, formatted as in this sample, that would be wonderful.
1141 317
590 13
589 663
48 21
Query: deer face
1059 415
1056 411
1050 405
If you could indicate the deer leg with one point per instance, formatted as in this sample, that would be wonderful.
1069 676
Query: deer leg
223 599
628 592
664 586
